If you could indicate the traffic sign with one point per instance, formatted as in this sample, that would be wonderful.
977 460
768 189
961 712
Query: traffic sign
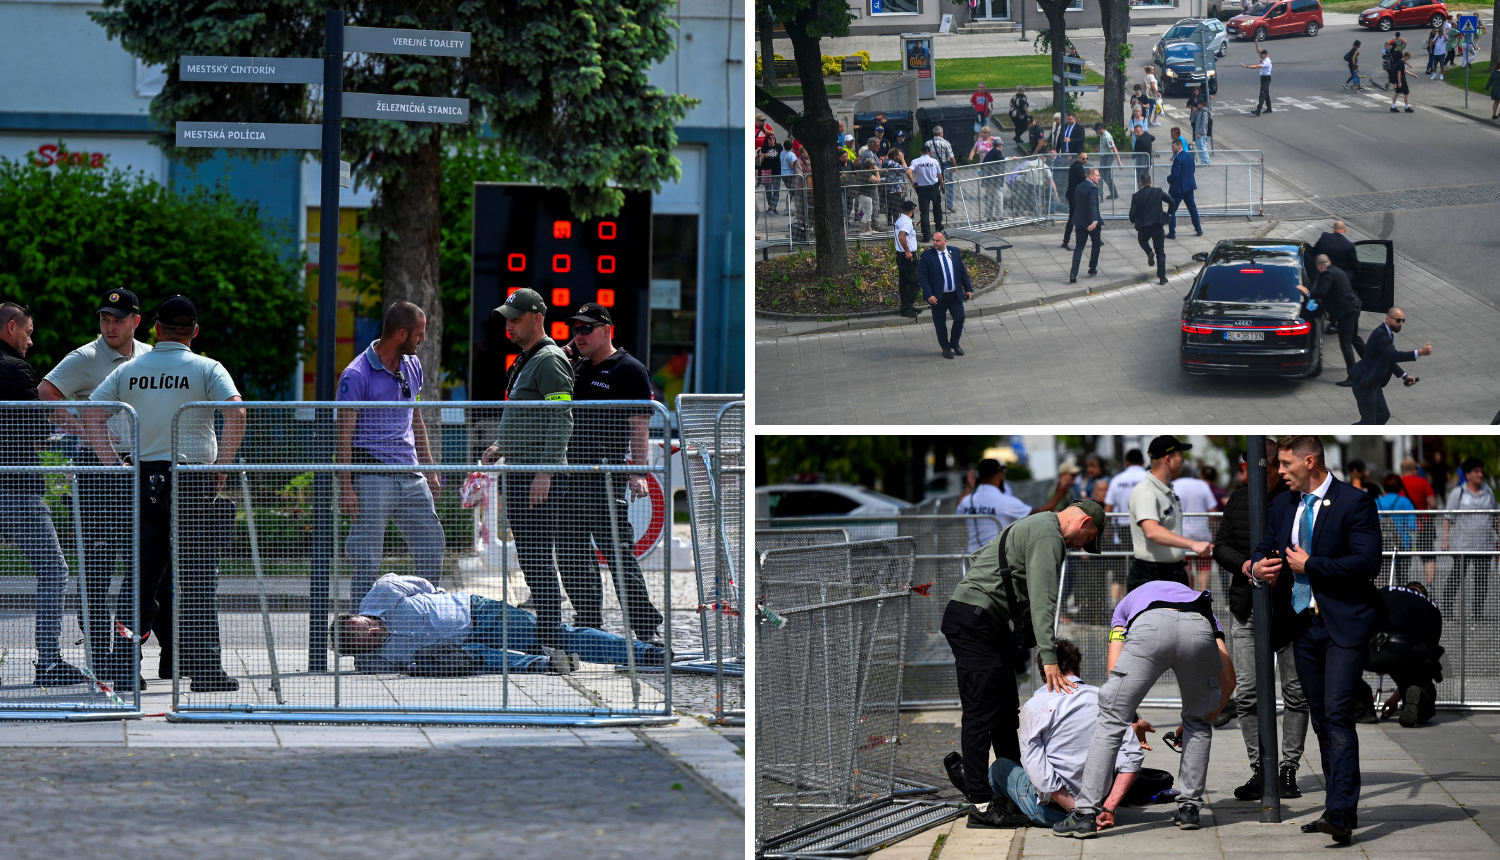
1090 88
258 70
390 40
1072 76
409 108
250 135
1468 24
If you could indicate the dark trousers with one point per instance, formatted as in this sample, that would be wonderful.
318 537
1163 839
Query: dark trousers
103 501
589 514
1081 234
986 691
1068 229
930 196
1350 343
535 529
1265 92
1478 569
1330 676
1142 572
193 582
948 303
1192 207
1372 408
1020 129
1153 239
906 280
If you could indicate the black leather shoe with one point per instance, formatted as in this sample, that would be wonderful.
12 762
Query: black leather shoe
953 763
1066 247
214 682
1345 383
1255 113
1093 272
1162 281
1072 279
947 353
997 817
1287 785
958 350
1310 827
1226 714
1150 261
1172 236
1198 233
1337 825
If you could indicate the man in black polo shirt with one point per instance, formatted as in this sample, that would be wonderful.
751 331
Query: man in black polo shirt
608 437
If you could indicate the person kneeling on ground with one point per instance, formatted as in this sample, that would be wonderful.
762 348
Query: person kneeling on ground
405 624
1408 650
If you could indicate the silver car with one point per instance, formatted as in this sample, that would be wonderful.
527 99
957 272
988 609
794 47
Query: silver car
1188 29
1229 8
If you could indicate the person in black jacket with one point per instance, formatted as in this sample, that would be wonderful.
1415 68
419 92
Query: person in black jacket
1148 214
1087 223
1339 249
1379 365
24 516
1232 551
1336 298
1409 652
1077 172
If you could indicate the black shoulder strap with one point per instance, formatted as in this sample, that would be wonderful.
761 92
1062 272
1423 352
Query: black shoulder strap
1005 575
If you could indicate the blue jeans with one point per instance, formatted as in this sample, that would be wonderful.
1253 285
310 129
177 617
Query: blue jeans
1201 144
497 624
24 519
402 497
1008 778
1192 207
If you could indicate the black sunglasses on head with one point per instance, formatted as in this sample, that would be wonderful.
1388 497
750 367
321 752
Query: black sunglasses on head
401 378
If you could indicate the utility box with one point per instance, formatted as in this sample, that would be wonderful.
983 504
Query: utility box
916 56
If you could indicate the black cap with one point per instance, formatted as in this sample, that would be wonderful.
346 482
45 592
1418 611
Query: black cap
989 468
592 312
522 301
909 206
1161 446
177 310
120 303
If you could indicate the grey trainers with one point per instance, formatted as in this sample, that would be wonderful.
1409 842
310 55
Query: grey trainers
1186 818
1076 826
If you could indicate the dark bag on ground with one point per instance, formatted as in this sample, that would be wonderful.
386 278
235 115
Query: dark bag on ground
445 661
1148 783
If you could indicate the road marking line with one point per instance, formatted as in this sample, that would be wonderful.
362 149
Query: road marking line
1361 134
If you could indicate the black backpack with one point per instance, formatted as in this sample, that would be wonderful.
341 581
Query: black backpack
1349 56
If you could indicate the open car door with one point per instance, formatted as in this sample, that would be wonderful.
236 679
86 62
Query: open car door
1375 274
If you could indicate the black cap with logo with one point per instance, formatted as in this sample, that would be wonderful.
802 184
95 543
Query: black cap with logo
1161 446
120 303
177 310
592 312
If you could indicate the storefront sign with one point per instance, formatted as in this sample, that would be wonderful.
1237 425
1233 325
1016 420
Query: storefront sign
386 40
410 108
260 70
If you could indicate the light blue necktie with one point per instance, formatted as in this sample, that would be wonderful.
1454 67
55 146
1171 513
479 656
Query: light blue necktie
947 272
1301 588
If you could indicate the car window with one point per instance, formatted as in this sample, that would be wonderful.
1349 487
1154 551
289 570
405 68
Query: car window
1258 9
1305 6
1370 253
1216 25
810 503
1180 31
1250 283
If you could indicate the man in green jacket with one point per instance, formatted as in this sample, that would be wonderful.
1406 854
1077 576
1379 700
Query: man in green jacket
977 624
535 435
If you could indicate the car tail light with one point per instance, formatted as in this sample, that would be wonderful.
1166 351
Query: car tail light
1196 329
1252 271
1300 328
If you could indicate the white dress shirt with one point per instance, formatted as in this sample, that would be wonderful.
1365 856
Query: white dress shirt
1055 732
926 170
1265 67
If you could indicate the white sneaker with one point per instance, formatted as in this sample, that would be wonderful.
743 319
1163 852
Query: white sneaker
1440 76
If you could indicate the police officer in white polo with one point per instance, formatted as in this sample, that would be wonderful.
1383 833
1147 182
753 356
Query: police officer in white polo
101 498
156 384
1156 520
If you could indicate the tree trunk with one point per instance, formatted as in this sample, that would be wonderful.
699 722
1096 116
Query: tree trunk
1057 26
1494 41
768 48
816 126
1115 15
411 220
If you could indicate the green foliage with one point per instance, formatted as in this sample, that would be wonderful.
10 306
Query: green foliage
1042 44
564 85
73 233
1126 52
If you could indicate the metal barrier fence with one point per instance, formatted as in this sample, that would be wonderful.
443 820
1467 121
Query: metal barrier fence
468 589
1009 192
711 431
829 654
68 560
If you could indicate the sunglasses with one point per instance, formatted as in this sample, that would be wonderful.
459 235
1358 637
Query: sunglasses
405 388
14 312
588 328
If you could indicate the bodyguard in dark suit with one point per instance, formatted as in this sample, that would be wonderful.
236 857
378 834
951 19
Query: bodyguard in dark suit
1339 249
1379 367
1149 216
945 283
1077 172
1180 187
1337 299
1070 139
1327 536
1087 223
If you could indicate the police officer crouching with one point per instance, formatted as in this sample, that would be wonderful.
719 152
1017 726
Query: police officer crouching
156 384
598 510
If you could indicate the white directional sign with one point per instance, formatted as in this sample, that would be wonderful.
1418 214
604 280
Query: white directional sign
260 70
1090 88
386 40
409 108
250 135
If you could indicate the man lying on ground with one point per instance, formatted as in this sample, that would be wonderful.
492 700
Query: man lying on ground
405 624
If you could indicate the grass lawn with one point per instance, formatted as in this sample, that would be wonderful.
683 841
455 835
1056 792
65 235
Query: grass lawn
998 73
1479 75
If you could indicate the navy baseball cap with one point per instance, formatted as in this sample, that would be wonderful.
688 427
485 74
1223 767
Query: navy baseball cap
1161 446
120 303
592 312
177 310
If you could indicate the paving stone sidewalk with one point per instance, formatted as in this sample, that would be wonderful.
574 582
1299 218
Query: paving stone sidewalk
1427 792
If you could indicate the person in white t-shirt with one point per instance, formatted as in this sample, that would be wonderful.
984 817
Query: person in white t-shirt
987 496
906 261
1197 497
1118 497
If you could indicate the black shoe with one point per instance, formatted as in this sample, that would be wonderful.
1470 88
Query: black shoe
1255 113
1093 272
1411 701
214 682
1408 110
947 353
1186 818
1076 826
953 763
1072 279
1310 827
61 674
1288 785
958 350
1198 233
1251 789
1268 110
1345 383
1335 824
1066 247
909 312
997 816
1113 197
1150 260
1226 714
1162 281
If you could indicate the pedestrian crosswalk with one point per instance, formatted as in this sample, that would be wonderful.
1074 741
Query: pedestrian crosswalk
1338 101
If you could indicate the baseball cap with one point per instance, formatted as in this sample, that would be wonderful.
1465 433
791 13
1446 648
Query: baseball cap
1096 513
1161 446
522 301
848 138
988 468
177 310
592 312
120 303
1067 468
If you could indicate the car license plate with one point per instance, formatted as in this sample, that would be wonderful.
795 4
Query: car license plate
1245 336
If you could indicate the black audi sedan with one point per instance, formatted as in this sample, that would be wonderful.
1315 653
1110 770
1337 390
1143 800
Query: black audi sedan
1245 316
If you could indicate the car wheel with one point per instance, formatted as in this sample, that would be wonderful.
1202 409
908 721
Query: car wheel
1437 21
1385 25
1213 87
1312 28
1223 50
1260 34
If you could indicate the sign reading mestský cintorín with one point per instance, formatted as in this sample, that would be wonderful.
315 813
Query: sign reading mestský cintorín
409 108
388 40
262 70
250 135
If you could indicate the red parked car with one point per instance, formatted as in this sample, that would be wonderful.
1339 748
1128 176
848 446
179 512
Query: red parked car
1278 18
1391 14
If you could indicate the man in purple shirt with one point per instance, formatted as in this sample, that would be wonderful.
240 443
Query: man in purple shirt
388 371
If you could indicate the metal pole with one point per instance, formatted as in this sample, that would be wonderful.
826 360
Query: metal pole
620 592
328 268
83 585
666 559
260 586
1265 668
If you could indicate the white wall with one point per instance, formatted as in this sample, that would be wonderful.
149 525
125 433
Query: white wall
709 63
55 59
129 152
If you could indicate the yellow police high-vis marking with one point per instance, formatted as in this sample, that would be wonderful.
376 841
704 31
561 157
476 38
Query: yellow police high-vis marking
561 395
1117 635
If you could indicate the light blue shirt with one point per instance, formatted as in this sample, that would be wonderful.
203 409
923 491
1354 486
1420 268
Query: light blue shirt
1055 732
159 382
989 499
418 615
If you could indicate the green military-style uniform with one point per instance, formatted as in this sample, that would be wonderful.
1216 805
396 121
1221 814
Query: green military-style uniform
538 435
1035 551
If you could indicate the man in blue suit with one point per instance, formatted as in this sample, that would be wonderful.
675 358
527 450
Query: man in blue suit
1378 367
944 280
1180 187
1325 534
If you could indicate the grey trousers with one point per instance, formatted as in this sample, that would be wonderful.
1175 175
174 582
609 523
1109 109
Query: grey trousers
1160 639
1294 721
25 520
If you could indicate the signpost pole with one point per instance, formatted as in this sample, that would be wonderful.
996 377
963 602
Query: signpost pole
1265 657
328 273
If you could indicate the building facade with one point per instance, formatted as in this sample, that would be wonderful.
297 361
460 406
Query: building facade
888 17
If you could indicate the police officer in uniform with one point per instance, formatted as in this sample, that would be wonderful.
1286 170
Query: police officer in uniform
156 384
535 437
1156 520
102 498
606 437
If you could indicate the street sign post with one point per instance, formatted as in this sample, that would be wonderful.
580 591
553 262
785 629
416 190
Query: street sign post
408 108
1089 88
256 70
1468 25
387 40
249 135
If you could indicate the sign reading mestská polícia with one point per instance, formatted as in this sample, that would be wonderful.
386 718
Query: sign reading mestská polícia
262 70
250 135
409 108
